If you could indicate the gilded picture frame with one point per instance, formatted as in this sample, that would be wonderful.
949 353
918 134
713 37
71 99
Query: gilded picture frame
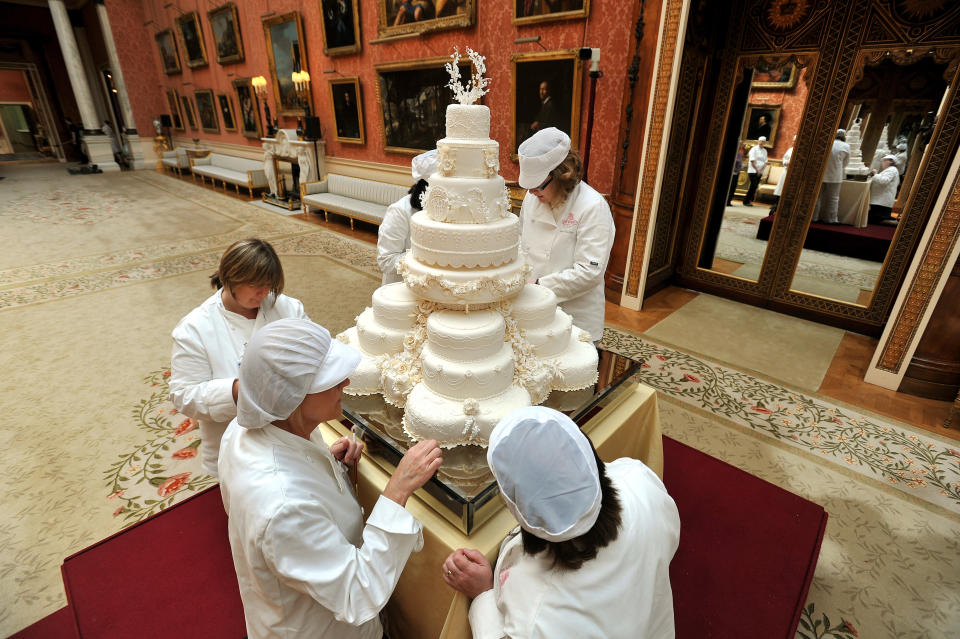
545 91
206 111
341 27
533 11
346 103
774 77
191 35
227 115
248 109
173 103
435 15
413 96
286 53
225 26
189 115
753 127
169 54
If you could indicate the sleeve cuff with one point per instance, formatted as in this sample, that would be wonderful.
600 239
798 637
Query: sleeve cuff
485 621
220 393
390 516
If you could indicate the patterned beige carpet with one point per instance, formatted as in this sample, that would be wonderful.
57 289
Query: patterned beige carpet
91 443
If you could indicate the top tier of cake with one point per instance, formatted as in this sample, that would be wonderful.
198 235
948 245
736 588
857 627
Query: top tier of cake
468 122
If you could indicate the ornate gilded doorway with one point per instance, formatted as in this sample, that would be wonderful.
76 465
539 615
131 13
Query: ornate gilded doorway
886 72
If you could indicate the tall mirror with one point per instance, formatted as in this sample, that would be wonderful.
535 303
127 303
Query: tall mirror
765 114
872 166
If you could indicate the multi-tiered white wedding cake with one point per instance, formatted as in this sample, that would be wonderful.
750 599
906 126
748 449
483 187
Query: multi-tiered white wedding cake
464 340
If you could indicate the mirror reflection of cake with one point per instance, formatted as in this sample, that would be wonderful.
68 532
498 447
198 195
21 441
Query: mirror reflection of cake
466 468
464 340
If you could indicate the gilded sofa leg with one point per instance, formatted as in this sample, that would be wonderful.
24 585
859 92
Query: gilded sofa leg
351 223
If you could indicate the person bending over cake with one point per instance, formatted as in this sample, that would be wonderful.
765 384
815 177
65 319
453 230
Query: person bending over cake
393 237
593 549
306 563
567 228
208 342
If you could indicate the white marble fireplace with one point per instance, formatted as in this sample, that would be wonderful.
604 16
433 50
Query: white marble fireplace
285 146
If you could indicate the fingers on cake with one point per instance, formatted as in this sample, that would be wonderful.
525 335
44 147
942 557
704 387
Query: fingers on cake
464 340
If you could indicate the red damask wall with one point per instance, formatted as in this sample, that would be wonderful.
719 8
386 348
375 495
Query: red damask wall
792 102
608 27
13 86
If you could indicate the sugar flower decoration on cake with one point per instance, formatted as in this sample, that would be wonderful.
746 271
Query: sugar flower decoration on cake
477 84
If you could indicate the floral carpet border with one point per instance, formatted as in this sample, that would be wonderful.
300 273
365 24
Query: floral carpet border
917 465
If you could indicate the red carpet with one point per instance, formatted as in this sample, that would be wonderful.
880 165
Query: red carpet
869 243
747 549
58 625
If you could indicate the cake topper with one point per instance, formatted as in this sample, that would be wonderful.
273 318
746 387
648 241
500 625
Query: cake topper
477 85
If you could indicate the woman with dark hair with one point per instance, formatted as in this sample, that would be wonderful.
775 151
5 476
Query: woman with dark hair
208 343
595 540
567 228
393 237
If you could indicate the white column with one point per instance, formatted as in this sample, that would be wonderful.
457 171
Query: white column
71 58
118 80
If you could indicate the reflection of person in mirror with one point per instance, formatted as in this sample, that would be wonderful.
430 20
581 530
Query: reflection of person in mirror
757 162
883 191
828 202
778 190
548 115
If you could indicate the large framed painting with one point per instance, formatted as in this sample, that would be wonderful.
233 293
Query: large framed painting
192 36
347 110
188 114
761 119
341 27
413 98
227 113
225 25
545 93
206 111
248 110
782 76
286 54
169 55
399 17
173 103
529 11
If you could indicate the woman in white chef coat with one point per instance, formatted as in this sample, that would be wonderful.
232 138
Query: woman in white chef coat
393 237
883 191
306 563
567 228
591 557
208 343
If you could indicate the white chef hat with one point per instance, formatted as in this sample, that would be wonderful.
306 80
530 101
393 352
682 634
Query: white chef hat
547 473
284 362
902 146
762 138
424 165
889 156
541 153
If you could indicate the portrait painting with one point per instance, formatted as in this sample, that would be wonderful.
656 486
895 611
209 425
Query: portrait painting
169 56
188 114
546 93
248 109
347 110
397 17
413 98
285 53
173 103
761 120
226 33
192 36
341 27
530 11
226 112
770 76
206 111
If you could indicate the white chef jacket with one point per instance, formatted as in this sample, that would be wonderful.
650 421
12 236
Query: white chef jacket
883 186
757 156
837 164
393 238
208 344
778 190
900 162
623 593
306 564
568 251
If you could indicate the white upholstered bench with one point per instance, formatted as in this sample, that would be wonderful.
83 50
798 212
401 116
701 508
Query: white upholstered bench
355 198
227 168
176 160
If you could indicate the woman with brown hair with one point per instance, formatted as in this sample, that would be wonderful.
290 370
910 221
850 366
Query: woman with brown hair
567 228
208 343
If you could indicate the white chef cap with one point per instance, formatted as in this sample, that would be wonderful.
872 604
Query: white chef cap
890 157
424 165
547 473
284 362
902 146
541 153
762 138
